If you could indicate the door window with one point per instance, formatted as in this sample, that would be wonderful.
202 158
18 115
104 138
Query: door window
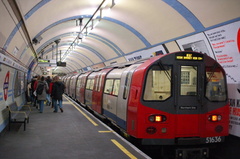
188 80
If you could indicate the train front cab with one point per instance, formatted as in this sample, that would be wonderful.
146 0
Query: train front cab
183 101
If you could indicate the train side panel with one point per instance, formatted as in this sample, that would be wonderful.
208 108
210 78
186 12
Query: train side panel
77 91
68 79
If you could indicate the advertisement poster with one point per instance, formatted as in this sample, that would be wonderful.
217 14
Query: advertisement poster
225 42
225 45
197 42
234 100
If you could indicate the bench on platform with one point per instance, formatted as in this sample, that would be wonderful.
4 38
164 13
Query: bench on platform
17 115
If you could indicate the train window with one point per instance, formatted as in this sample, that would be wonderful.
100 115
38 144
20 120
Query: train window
158 83
108 86
116 87
90 83
127 85
81 83
100 82
97 83
188 80
78 83
215 84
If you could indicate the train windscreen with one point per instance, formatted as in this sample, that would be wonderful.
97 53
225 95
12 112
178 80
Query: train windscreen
215 84
158 83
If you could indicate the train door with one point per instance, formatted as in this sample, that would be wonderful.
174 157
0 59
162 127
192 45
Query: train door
98 90
89 89
123 95
188 93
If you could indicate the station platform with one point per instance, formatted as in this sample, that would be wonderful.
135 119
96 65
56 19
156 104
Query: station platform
74 134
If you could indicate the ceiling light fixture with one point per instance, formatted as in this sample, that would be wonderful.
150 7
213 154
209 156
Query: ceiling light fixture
105 6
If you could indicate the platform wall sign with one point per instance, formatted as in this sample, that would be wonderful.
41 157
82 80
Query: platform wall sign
146 53
9 62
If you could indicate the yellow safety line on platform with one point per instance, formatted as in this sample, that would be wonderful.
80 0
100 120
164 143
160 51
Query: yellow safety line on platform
94 123
123 149
105 131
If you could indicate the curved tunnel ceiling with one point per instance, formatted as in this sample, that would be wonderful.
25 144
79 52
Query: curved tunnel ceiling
130 26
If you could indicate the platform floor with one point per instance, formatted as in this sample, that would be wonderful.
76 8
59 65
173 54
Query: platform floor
73 134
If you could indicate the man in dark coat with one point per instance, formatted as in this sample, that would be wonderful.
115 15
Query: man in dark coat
56 94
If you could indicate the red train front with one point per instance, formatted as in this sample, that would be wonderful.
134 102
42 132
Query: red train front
178 99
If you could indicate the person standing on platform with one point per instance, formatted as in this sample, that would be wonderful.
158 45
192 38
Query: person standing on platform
57 92
42 88
33 97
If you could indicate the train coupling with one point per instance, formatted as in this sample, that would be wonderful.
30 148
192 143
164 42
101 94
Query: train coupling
192 153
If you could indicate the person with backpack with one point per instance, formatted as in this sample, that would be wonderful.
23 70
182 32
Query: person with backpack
41 90
57 92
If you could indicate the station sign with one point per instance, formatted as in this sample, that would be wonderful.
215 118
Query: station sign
46 63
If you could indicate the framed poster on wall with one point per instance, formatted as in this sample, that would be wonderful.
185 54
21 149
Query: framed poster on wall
197 42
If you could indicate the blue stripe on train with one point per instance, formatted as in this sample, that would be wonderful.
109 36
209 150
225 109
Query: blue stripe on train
120 122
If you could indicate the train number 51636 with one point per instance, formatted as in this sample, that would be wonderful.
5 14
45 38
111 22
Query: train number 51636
214 139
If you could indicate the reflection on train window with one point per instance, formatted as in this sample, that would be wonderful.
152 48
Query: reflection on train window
158 83
90 83
116 87
78 83
100 82
215 86
188 80
127 85
112 86
108 86
97 83
82 83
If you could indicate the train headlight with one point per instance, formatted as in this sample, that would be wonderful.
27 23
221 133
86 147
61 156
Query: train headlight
157 118
214 118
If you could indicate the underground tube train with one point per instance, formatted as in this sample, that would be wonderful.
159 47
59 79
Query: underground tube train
173 99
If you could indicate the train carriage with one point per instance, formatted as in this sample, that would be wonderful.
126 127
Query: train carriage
81 88
173 99
179 98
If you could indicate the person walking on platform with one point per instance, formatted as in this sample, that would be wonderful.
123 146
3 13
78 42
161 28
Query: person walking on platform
34 87
42 88
50 89
48 80
57 91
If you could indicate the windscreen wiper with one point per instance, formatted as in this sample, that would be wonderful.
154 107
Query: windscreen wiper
165 70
